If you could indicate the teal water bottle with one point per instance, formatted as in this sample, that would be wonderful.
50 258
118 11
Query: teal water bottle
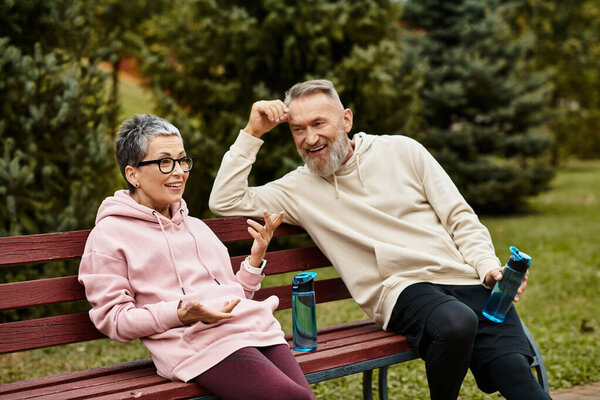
506 288
304 314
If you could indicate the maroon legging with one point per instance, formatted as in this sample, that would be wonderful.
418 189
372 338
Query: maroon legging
257 373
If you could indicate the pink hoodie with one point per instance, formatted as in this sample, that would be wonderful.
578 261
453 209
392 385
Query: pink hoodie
138 265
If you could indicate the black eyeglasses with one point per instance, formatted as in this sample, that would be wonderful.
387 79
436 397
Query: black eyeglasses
167 164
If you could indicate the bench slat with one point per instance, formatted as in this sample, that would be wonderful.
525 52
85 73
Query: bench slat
350 354
165 391
17 250
72 328
344 327
66 289
115 384
333 337
289 260
30 249
360 337
233 229
40 292
75 376
87 388
49 331
325 290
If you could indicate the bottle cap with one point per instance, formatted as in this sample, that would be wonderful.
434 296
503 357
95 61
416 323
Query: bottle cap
519 261
304 282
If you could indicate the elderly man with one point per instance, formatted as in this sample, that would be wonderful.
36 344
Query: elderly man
409 248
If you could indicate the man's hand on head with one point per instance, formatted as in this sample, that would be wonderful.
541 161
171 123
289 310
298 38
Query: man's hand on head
266 115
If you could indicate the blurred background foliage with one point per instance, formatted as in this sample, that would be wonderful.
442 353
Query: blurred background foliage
500 91
567 41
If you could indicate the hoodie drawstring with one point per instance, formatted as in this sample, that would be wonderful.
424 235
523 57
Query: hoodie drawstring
198 249
360 179
337 190
162 228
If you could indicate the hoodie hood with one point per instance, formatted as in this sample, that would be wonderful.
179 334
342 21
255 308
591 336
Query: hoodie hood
362 142
123 205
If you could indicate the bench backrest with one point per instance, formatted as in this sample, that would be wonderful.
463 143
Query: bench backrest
72 328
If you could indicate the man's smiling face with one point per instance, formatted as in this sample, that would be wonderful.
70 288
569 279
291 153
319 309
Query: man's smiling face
319 125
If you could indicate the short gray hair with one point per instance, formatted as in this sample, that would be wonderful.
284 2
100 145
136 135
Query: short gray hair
307 88
131 144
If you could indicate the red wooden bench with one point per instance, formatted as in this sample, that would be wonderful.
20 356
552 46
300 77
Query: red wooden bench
343 349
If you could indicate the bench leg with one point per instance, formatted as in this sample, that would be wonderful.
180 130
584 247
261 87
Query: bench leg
538 361
367 385
383 383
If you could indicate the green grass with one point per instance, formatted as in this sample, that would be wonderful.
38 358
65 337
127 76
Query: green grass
560 305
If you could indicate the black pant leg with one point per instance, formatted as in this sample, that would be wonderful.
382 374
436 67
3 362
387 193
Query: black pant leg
511 375
449 335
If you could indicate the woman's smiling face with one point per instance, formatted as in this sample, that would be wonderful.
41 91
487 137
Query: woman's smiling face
155 189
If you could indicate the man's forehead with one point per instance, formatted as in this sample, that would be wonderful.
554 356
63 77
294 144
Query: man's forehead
313 106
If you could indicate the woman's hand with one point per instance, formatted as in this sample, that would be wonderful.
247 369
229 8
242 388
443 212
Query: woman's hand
193 312
496 274
262 235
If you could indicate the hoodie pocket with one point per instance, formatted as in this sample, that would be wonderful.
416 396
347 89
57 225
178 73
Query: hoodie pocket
198 328
419 262
250 318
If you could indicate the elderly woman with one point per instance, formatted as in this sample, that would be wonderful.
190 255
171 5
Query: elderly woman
153 272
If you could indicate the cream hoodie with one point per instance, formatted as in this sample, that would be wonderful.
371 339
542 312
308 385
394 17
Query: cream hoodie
138 265
388 218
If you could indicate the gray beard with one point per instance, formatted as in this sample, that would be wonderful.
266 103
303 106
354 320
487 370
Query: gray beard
338 151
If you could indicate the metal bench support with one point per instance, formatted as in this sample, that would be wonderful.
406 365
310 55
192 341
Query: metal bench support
538 361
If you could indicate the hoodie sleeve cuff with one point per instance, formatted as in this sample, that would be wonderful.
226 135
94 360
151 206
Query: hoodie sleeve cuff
168 314
250 281
484 266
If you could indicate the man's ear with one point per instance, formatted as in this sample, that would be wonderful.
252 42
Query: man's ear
348 120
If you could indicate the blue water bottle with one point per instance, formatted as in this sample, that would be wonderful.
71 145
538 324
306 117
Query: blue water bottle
506 288
304 315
